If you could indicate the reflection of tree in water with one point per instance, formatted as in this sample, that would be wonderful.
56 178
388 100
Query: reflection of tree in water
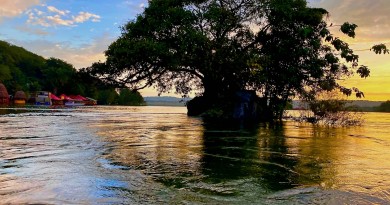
259 153
4 110
319 148
185 155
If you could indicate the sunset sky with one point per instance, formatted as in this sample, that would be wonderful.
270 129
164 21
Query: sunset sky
78 31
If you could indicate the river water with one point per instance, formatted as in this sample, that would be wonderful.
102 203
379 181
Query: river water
158 155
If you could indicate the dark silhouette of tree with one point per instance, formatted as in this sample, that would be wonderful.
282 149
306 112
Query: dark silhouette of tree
183 45
384 107
279 48
59 76
129 97
108 96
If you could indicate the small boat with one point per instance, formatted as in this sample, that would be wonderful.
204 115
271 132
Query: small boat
68 101
56 100
72 103
42 98
90 101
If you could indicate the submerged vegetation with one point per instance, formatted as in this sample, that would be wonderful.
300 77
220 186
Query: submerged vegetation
279 49
330 109
21 70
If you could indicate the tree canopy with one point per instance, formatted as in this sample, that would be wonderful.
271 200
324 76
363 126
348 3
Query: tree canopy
19 69
279 48
26 71
384 107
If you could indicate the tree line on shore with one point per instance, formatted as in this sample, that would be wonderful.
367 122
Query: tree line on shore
28 72
384 107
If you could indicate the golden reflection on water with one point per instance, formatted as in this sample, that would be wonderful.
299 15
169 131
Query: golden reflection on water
174 150
162 145
352 159
142 154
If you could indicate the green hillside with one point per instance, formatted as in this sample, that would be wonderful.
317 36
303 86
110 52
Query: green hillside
23 70
19 68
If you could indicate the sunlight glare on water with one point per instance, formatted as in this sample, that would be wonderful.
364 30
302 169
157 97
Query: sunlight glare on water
159 155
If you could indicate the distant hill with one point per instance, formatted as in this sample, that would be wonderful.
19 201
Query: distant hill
23 70
165 101
19 68
174 101
365 105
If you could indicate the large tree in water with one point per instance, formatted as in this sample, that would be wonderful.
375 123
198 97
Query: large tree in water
278 48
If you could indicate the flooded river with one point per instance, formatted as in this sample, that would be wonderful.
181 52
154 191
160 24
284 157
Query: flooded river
158 155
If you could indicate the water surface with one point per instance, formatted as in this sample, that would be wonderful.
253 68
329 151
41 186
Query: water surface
158 155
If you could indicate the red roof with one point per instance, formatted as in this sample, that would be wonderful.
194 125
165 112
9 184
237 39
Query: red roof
82 98
78 97
64 97
53 97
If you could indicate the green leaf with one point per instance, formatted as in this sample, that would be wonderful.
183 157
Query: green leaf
363 71
380 48
348 29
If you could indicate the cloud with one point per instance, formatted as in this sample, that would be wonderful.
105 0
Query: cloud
12 8
372 17
79 56
34 31
56 17
55 10
85 16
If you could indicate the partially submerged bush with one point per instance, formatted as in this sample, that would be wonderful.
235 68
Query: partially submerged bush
331 110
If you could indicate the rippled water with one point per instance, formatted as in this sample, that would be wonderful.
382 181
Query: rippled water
158 155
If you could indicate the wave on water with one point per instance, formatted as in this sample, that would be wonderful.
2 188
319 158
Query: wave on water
318 195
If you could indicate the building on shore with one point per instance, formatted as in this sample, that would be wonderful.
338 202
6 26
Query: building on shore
20 98
4 97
